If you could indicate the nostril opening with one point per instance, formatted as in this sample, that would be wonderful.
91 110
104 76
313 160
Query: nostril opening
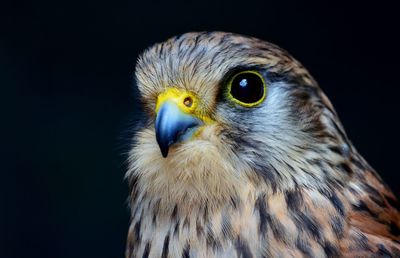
188 101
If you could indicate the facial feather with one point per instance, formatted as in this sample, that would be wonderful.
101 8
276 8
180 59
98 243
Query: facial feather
277 179
199 63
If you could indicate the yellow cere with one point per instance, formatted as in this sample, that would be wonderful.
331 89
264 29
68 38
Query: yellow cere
180 97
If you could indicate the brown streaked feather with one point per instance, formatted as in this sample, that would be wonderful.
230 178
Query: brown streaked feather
373 213
282 180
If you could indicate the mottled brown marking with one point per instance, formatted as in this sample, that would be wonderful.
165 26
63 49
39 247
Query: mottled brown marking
278 180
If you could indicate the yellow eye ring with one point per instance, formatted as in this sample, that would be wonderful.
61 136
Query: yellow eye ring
247 88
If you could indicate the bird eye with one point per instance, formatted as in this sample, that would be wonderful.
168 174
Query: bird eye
247 88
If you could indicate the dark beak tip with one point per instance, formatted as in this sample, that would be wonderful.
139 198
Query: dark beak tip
164 152
164 147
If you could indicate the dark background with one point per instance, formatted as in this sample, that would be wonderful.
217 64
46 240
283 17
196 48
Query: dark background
66 96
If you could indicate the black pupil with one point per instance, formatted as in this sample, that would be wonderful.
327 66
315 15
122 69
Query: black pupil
247 88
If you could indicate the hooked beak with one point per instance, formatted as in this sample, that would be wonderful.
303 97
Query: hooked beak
173 125
178 117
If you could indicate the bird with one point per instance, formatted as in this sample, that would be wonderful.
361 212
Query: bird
239 153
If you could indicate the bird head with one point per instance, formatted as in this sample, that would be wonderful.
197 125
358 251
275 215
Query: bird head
225 112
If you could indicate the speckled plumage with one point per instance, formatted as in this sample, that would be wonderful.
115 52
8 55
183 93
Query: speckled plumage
278 180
